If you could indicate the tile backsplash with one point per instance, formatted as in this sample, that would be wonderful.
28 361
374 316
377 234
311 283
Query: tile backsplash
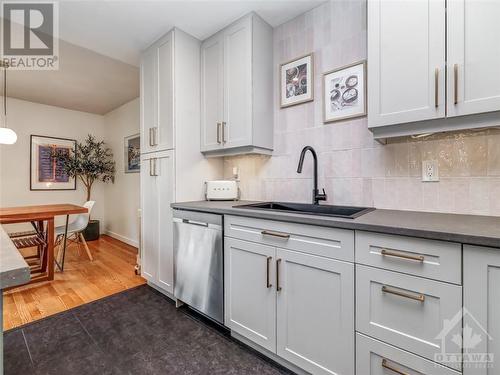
355 169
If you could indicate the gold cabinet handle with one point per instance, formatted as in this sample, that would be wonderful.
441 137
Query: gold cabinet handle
151 167
268 283
388 253
223 132
275 234
151 137
218 132
278 287
436 88
400 293
455 84
387 366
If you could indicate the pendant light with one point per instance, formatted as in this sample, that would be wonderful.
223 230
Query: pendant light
7 136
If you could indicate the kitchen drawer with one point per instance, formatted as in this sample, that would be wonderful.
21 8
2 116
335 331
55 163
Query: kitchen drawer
407 311
322 241
374 357
437 260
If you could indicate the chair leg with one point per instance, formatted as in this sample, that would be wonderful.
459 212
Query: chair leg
86 246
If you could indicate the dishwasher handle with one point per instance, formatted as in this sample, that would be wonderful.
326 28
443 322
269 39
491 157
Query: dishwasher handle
197 223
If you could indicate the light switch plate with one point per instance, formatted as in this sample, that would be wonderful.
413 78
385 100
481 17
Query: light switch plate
430 171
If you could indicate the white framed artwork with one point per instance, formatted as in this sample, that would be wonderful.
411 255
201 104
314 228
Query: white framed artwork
297 81
344 92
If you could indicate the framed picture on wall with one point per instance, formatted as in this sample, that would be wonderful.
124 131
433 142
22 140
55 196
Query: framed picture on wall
297 81
132 159
46 173
344 92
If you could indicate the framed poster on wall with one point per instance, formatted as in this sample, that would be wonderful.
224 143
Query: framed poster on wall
132 154
344 93
297 81
46 173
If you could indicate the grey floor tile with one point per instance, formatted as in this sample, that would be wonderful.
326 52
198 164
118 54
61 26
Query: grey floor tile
137 332
16 356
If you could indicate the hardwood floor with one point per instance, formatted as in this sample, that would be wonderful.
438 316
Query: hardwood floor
82 281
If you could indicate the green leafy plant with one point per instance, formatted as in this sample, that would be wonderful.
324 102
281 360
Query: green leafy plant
92 161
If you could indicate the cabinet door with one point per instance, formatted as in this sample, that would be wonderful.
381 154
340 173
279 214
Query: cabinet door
238 84
406 61
473 56
149 86
250 294
482 310
157 190
315 312
149 220
164 131
212 81
165 180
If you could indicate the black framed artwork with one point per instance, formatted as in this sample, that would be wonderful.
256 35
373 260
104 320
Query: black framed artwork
46 173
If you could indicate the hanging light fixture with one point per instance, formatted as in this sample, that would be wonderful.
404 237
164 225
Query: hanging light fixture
7 136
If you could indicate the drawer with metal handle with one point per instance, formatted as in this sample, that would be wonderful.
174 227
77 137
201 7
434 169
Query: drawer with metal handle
374 357
327 242
438 260
408 312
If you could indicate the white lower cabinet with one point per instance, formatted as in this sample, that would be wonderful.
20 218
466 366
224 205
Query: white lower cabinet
374 357
296 305
481 310
157 193
250 295
409 312
315 312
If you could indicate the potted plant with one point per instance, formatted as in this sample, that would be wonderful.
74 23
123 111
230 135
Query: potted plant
92 161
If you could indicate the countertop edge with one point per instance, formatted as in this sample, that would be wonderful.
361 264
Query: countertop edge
14 270
351 224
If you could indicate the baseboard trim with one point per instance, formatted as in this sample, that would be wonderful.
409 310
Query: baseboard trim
119 237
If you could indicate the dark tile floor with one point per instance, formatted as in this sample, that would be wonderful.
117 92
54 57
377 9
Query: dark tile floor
135 332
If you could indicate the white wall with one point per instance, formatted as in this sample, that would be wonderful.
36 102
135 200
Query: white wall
355 169
27 118
122 198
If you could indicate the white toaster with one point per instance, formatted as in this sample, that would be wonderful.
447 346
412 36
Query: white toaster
222 190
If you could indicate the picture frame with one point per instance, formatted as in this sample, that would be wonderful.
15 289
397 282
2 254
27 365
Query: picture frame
297 81
45 172
132 153
344 93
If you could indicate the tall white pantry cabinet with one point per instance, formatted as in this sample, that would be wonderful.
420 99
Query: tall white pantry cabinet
172 166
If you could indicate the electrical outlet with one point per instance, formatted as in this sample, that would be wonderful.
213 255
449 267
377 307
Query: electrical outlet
430 171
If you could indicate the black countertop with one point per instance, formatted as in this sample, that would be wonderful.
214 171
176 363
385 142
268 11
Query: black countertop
466 229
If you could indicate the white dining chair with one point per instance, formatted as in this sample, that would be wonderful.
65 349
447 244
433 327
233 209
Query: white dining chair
75 232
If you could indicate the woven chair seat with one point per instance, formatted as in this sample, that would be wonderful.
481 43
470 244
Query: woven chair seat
29 241
23 234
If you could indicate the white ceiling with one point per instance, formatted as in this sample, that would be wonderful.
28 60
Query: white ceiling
85 81
101 42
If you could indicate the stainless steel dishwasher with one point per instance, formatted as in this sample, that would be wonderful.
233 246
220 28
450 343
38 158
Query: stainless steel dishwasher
199 262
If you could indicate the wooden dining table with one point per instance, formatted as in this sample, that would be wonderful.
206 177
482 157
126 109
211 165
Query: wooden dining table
42 218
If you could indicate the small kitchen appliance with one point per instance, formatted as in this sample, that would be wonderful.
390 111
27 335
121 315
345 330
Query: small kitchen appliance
222 190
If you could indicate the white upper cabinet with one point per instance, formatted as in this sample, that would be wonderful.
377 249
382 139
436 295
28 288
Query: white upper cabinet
406 61
473 56
157 96
237 89
433 65
212 86
238 79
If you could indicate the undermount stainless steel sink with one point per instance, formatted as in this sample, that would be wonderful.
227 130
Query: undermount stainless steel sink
346 212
